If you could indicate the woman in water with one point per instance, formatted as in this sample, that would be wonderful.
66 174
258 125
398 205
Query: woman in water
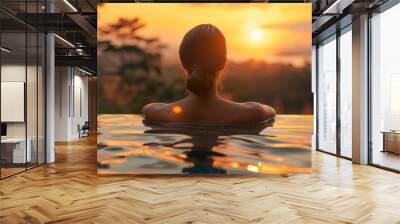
203 55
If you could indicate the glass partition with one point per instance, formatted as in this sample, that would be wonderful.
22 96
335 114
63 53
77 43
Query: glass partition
327 95
15 151
22 91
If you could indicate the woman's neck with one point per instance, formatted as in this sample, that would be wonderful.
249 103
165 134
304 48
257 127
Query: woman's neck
210 95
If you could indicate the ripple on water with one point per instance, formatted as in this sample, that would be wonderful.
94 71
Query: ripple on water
127 146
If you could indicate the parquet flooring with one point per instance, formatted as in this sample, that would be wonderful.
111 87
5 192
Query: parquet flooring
69 191
10 171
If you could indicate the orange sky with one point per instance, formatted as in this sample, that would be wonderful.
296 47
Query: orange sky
272 32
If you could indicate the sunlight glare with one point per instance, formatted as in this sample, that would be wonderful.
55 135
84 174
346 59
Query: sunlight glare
257 35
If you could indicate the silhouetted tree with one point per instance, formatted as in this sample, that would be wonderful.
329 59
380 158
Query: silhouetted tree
130 68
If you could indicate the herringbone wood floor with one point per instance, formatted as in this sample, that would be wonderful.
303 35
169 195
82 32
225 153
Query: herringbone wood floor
69 191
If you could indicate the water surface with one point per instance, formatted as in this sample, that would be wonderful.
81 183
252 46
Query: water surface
127 146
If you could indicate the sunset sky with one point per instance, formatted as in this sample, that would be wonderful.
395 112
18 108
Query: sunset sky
261 31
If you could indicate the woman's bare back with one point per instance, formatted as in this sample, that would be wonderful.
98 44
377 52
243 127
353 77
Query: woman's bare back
213 111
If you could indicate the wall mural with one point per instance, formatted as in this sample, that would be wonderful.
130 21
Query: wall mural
204 88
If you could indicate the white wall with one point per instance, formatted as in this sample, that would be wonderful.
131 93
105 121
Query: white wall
33 126
80 109
12 73
71 94
62 81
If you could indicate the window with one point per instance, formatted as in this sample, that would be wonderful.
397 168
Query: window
385 89
346 92
327 95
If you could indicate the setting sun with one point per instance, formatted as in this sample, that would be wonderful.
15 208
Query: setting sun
252 31
257 35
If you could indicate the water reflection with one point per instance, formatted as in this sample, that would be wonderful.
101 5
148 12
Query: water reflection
128 146
199 145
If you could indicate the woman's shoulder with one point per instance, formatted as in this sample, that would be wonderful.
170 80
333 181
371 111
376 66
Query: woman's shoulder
154 111
258 112
150 107
163 112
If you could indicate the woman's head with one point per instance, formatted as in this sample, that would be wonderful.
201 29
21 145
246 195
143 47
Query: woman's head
203 55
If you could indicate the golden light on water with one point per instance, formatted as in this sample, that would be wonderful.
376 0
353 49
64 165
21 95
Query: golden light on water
113 161
165 156
122 143
252 168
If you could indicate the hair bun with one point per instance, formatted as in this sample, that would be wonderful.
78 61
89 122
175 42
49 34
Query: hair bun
203 55
197 82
